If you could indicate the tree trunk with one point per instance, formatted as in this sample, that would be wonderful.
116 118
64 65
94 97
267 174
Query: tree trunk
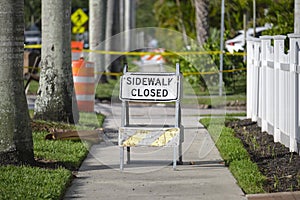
201 8
15 134
184 35
108 30
117 64
56 92
97 17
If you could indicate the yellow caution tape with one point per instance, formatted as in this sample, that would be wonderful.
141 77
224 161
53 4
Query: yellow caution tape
38 46
184 73
33 46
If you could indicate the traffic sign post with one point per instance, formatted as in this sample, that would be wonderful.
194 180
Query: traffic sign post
150 87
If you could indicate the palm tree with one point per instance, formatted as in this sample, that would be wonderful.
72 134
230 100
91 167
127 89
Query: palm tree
56 92
201 8
97 16
15 132
108 29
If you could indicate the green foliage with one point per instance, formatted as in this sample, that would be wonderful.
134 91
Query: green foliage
205 122
235 9
80 4
69 152
235 155
167 14
108 90
208 63
145 12
33 87
248 176
234 82
90 121
32 182
230 147
281 16
32 12
25 182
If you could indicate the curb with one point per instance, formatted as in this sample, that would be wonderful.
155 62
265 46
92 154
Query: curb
275 196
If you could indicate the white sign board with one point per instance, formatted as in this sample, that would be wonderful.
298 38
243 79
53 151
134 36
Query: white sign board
149 87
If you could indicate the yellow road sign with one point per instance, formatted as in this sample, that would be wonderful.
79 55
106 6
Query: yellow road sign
79 17
78 29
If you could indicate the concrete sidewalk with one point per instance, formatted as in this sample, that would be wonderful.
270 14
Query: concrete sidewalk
150 175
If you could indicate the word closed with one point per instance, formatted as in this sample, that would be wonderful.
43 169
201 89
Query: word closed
149 87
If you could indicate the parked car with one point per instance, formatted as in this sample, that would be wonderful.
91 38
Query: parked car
238 42
33 37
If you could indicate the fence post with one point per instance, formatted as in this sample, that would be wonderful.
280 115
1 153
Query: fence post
250 74
256 78
265 44
294 97
278 55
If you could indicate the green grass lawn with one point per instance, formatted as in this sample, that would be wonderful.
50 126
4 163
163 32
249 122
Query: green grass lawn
24 182
28 182
108 90
235 155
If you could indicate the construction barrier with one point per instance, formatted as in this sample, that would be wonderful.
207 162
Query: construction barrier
77 47
84 84
150 59
150 87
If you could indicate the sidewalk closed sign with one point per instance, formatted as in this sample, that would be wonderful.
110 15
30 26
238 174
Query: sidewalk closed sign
149 87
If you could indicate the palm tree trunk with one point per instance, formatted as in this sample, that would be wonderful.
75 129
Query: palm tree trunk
201 7
184 35
56 100
15 134
108 30
97 20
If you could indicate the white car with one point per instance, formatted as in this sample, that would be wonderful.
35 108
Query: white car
238 42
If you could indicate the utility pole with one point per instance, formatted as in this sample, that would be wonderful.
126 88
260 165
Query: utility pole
221 48
127 24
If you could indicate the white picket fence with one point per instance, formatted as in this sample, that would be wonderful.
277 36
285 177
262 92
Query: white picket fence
273 87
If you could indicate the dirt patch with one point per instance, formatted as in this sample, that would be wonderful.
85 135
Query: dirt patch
280 167
37 125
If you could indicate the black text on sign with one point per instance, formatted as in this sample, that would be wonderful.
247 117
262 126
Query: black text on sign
150 87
